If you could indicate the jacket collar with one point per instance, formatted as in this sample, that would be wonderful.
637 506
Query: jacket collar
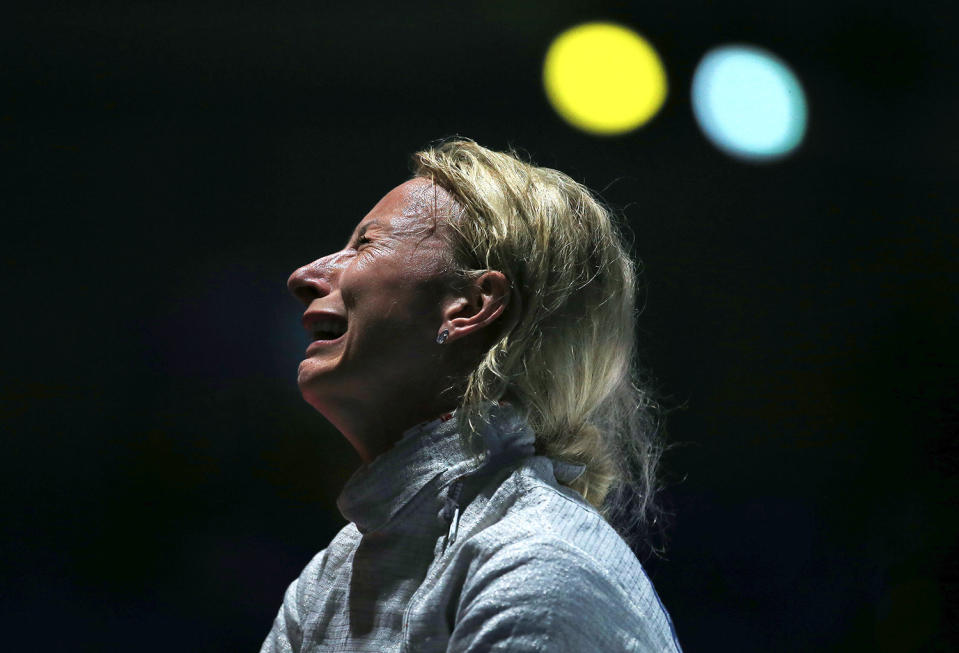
378 490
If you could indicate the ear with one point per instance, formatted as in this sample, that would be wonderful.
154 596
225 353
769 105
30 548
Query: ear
482 303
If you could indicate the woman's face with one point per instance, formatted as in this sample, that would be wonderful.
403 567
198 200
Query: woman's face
387 287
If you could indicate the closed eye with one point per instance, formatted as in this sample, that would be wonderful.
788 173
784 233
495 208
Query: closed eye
362 241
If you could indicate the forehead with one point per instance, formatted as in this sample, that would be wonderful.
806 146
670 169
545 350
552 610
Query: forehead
408 208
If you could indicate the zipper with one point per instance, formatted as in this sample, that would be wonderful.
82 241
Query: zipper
451 511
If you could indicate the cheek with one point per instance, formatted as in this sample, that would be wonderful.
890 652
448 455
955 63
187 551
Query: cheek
357 282
401 290
373 293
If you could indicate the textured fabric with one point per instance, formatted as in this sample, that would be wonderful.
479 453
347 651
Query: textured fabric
452 551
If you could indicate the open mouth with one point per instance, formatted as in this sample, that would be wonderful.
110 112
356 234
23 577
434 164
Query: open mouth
328 329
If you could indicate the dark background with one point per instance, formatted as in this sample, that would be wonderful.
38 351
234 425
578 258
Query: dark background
168 165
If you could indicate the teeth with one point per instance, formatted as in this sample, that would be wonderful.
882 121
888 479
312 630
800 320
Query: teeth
328 328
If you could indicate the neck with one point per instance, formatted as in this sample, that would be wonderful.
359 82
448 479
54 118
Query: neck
373 428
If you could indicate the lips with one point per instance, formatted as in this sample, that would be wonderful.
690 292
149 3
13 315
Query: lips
327 328
324 327
320 344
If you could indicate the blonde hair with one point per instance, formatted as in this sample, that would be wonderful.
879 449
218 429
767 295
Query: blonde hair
564 350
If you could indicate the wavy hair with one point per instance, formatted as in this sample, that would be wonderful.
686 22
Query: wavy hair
564 349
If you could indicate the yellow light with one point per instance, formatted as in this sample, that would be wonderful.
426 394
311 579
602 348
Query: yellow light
604 78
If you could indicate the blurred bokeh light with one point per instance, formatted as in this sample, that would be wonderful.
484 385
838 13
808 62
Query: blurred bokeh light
749 103
604 78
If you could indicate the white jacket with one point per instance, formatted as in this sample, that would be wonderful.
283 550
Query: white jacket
450 551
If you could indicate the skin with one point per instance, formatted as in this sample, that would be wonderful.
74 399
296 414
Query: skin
388 373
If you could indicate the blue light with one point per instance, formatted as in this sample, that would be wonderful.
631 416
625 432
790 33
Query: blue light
749 103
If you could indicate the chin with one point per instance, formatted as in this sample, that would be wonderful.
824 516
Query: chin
314 383
311 394
307 378
308 375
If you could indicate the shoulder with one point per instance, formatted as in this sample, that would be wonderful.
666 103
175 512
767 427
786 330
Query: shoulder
552 568
307 586
538 509
542 592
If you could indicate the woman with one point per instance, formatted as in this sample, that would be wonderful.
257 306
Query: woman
474 342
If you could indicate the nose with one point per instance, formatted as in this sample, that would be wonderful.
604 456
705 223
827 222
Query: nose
310 281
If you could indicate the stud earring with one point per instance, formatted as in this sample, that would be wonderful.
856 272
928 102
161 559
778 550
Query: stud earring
441 338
